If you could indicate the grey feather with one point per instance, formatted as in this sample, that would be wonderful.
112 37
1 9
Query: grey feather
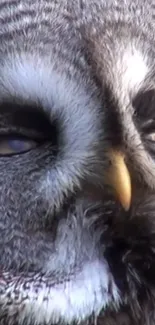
77 78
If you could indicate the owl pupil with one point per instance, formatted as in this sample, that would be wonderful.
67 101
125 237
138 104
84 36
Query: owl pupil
17 145
25 123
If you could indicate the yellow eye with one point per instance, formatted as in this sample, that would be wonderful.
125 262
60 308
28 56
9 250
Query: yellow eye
151 136
12 146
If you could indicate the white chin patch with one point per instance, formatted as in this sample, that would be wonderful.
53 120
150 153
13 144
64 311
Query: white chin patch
90 291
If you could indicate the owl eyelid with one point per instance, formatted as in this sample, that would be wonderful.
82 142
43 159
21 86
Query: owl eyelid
150 137
10 146
148 123
23 136
26 119
148 127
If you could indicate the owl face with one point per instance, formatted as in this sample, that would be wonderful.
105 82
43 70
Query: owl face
76 162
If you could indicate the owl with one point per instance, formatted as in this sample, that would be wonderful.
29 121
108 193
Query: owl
77 162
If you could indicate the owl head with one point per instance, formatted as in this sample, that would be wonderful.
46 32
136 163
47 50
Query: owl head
77 162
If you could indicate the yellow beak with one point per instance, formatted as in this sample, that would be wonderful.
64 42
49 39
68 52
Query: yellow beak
118 178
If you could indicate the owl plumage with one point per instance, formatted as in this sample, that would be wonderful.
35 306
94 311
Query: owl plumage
76 137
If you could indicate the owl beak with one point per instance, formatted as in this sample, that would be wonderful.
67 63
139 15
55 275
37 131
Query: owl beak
119 179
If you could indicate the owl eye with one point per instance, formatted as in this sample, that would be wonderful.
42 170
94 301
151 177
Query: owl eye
151 137
12 146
